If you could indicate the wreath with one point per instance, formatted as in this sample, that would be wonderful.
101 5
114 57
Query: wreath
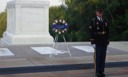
60 26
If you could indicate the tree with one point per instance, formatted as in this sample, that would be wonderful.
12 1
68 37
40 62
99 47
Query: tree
3 22
80 11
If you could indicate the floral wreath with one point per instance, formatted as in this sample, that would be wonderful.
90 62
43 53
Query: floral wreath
60 26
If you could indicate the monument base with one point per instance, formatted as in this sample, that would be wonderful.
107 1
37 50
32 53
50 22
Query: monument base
10 39
27 22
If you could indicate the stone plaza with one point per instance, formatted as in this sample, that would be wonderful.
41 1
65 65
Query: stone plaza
25 61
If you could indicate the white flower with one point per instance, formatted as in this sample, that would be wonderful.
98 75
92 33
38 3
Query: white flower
56 30
63 31
60 20
63 21
59 32
56 21
66 24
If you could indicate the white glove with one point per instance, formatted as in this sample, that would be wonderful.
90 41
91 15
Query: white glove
94 46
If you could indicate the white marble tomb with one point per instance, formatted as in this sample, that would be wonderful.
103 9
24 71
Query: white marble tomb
27 22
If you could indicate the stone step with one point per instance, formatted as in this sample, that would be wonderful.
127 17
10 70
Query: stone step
52 68
119 76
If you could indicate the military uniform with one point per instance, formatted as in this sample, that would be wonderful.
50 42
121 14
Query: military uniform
99 35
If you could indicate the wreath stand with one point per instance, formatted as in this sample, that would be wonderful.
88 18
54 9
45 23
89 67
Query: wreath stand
56 46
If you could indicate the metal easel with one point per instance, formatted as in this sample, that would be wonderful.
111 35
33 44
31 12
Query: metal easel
56 45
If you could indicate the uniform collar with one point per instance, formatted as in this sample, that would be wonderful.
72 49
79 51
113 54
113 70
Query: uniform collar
99 18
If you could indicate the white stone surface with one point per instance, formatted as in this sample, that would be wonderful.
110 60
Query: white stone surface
27 22
84 48
5 52
88 49
46 50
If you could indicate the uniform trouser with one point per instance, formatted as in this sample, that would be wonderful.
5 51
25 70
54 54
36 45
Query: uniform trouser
100 57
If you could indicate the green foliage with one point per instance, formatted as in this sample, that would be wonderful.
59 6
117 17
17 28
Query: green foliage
80 12
77 22
3 19
125 35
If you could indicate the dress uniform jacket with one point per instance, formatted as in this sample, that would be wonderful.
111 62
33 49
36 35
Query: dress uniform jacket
99 31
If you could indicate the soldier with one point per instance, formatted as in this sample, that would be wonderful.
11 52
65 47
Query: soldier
99 36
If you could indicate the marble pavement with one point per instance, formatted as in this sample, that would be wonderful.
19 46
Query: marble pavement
24 55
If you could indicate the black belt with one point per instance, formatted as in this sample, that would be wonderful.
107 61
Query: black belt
102 33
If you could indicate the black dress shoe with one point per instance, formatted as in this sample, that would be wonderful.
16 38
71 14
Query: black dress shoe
100 75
